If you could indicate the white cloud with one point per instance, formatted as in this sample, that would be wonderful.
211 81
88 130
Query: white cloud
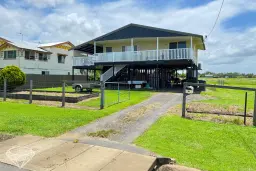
48 3
78 22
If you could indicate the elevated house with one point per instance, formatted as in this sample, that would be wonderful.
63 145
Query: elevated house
141 54
35 58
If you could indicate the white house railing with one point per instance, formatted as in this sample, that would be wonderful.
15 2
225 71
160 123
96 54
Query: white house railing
130 56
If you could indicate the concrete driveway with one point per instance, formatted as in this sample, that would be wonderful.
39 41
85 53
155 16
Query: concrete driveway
58 155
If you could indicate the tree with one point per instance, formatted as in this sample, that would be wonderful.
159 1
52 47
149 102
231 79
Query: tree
14 76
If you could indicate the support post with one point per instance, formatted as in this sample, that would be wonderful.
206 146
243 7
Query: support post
94 49
87 75
30 91
254 112
94 74
157 48
245 108
102 95
73 76
132 47
184 100
63 94
118 91
129 91
5 89
191 47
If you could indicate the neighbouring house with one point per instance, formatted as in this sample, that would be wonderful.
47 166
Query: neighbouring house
141 54
35 58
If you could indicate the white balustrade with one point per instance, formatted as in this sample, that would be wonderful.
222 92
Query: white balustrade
130 56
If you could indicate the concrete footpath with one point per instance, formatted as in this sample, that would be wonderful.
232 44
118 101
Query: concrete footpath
59 155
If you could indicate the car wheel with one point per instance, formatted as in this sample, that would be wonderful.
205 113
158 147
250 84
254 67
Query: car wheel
78 89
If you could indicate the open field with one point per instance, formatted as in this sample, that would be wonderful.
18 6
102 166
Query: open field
19 118
203 145
241 82
227 97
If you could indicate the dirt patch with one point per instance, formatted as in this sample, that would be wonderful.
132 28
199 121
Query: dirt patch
103 133
137 113
67 105
217 118
4 137
216 109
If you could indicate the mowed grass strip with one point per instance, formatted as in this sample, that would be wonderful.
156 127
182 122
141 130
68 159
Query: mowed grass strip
19 119
203 145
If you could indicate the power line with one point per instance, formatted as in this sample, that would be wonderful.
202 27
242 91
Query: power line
217 18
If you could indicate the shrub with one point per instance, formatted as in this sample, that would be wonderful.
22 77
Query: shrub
14 76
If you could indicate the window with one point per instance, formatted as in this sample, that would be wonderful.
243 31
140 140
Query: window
108 49
175 45
61 58
10 54
45 72
129 48
30 55
42 57
181 44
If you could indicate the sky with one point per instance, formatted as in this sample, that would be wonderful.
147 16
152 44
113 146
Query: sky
230 48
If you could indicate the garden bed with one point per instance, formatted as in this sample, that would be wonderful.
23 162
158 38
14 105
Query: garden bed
51 96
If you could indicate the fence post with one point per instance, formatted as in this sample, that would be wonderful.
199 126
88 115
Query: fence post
184 100
245 108
5 89
30 91
63 94
254 112
118 92
129 92
102 95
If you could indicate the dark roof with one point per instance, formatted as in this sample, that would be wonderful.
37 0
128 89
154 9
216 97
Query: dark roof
138 31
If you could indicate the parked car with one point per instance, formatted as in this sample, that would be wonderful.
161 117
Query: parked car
79 87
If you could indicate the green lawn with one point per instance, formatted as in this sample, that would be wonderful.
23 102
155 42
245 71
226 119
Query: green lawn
18 118
227 97
59 89
203 145
111 97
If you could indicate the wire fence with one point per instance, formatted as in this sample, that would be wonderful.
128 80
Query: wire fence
116 92
56 93
223 104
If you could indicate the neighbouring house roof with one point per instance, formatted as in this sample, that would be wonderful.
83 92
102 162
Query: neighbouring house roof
5 39
32 46
25 45
137 31
55 44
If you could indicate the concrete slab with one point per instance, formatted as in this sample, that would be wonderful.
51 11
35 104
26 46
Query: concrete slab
18 141
56 156
45 144
93 159
37 146
130 161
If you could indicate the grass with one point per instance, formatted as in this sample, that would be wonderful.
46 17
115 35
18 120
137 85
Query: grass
57 89
203 145
227 97
241 82
19 119
111 98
